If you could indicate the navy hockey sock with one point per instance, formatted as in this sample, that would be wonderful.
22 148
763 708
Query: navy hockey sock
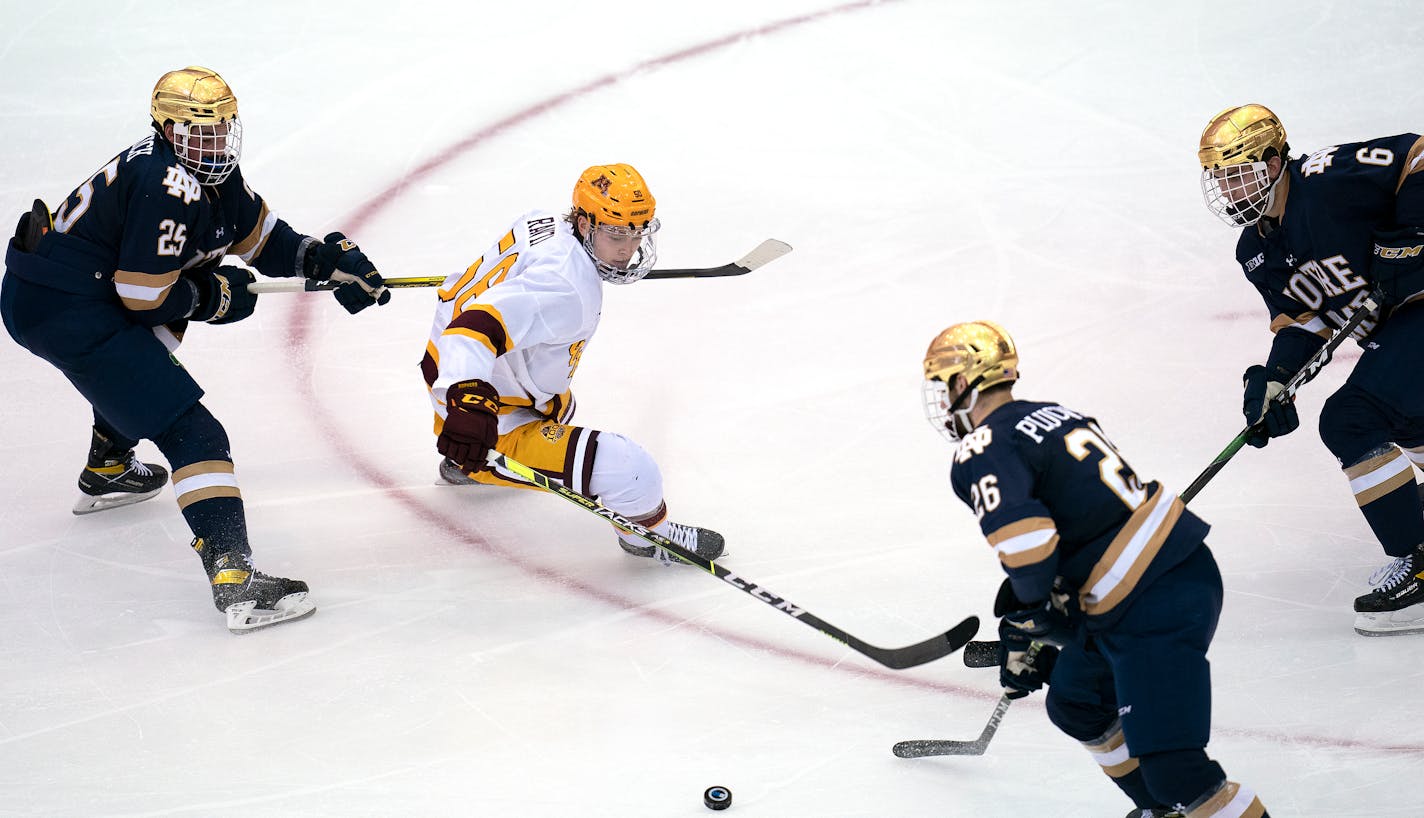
196 446
1383 483
1180 777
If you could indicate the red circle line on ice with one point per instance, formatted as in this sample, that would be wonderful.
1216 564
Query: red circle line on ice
298 341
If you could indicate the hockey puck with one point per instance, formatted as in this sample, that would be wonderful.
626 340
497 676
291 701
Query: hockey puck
717 798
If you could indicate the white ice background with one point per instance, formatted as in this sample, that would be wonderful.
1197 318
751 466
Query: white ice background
492 652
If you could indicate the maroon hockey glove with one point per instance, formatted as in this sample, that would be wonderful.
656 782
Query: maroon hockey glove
471 424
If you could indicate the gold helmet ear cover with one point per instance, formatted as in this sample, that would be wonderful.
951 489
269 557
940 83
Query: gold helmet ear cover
1245 133
981 351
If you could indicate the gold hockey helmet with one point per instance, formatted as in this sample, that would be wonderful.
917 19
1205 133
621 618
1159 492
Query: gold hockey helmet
619 205
981 351
202 109
1235 148
1246 133
984 354
194 95
614 194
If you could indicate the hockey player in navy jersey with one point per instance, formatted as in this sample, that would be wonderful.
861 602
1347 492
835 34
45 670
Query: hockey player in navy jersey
1319 233
1109 575
105 287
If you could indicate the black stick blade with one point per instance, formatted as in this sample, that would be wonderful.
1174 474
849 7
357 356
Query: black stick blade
936 647
768 251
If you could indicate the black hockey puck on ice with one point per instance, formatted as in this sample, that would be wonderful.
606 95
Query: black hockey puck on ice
717 798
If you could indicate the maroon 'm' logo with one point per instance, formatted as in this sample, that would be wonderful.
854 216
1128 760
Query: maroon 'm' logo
602 184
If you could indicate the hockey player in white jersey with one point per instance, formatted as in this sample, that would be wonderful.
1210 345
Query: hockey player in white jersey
508 336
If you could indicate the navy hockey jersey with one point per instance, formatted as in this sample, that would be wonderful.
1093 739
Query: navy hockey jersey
129 231
1055 499
1314 269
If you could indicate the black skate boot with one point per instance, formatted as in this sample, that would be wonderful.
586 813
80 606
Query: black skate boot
1155 812
250 598
704 542
1397 605
116 478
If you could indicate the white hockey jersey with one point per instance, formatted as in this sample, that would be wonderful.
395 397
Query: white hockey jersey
519 318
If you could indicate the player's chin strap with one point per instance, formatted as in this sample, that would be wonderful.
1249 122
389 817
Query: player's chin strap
933 648
960 424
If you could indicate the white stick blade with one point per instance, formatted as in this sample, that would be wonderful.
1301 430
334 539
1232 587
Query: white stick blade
769 250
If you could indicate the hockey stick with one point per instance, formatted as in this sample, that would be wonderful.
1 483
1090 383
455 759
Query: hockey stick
985 654
920 748
768 251
933 648
1312 366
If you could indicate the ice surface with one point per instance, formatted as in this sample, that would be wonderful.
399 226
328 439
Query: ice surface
492 652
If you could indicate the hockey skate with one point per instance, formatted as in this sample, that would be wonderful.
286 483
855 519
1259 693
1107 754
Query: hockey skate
250 598
1397 605
1155 812
703 542
451 473
116 478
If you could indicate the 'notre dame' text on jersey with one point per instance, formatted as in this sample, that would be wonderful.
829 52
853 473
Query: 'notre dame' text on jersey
1313 270
1055 499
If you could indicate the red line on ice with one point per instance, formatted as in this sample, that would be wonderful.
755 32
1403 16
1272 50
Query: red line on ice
298 342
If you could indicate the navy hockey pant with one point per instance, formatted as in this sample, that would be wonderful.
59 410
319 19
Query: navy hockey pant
136 388
1150 670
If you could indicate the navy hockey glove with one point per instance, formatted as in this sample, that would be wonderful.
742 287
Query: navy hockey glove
1398 268
338 259
1022 667
222 296
1266 416
471 424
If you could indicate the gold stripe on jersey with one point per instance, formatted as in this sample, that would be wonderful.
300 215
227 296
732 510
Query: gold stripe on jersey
1378 476
205 480
483 323
1231 800
1308 321
1121 567
252 244
143 291
1111 752
1025 542
555 408
1413 162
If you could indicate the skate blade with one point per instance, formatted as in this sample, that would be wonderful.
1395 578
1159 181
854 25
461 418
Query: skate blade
88 503
246 617
1391 623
